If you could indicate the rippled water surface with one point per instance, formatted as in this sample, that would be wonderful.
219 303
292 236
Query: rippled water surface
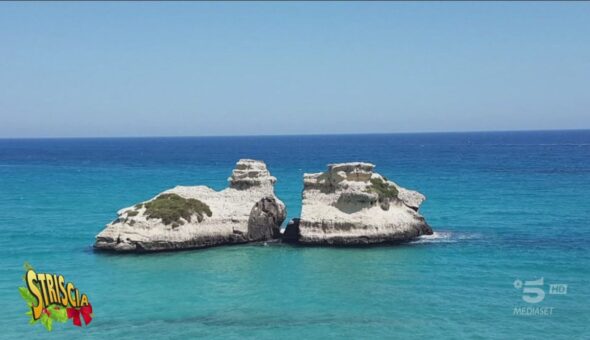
504 206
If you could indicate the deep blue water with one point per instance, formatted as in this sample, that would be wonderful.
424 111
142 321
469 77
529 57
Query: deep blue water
505 206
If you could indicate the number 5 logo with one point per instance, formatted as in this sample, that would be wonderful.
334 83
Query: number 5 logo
532 291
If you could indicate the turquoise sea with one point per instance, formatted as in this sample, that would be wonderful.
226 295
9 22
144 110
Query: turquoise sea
505 206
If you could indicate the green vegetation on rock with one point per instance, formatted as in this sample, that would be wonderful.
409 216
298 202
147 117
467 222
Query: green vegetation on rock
171 207
383 189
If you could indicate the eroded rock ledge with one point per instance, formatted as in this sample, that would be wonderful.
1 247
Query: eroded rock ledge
349 204
188 217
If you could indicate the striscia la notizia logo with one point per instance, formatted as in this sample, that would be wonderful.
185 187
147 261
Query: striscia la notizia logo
51 299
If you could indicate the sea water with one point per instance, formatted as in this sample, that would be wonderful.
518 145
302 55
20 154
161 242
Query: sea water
506 208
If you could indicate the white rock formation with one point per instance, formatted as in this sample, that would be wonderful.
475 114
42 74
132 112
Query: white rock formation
246 211
351 205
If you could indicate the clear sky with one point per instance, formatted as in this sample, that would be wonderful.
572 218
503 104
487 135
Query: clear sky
190 69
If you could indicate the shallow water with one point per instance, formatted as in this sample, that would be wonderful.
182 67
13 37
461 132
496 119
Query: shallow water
504 206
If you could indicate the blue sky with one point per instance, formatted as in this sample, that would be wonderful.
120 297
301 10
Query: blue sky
190 69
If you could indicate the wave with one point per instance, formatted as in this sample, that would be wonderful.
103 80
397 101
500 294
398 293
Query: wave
445 237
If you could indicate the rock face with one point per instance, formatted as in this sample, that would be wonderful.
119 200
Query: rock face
198 216
351 205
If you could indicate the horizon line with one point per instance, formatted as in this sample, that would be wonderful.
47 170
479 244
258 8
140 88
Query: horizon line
297 134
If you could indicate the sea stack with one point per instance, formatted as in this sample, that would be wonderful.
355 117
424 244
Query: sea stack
188 217
350 205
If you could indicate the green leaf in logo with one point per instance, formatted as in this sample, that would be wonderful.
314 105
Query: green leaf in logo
28 266
47 322
27 296
57 313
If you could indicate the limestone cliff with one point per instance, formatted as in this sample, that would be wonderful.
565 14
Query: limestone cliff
197 216
351 205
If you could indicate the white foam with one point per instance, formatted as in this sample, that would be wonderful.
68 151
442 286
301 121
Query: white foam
444 237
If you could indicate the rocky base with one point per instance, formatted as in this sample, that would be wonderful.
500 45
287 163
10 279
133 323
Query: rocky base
105 244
